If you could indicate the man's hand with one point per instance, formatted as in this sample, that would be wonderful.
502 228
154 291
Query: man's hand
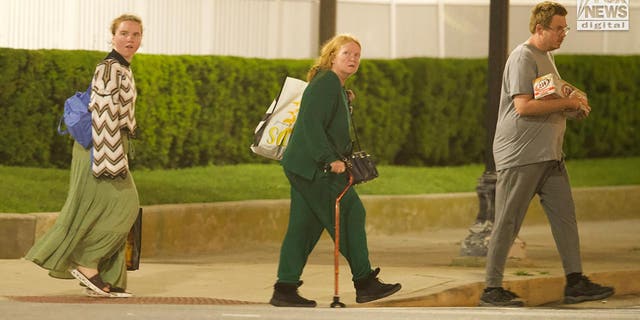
580 104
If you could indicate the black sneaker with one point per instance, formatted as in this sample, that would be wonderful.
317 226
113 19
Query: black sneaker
286 295
371 288
499 297
585 290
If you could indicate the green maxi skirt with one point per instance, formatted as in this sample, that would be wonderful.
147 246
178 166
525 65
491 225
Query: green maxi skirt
92 227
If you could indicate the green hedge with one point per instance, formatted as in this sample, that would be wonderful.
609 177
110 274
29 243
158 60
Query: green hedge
201 110
614 125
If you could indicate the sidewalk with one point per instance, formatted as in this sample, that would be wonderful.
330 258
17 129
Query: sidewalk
423 263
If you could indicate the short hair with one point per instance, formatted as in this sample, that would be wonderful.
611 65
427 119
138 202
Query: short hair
125 17
543 13
328 52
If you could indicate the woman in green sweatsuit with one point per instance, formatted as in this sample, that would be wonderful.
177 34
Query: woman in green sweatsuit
312 163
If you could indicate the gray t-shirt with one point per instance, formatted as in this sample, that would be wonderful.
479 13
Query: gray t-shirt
522 140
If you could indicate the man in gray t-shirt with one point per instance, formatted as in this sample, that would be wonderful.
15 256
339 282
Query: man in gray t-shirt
524 136
527 149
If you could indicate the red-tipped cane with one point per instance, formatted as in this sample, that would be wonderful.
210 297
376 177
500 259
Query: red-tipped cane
336 249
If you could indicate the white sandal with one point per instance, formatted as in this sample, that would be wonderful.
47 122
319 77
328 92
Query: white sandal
95 283
120 293
91 293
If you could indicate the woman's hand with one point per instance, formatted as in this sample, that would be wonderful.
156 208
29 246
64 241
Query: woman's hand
350 96
338 166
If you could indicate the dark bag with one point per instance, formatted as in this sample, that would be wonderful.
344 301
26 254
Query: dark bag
361 167
360 164
134 244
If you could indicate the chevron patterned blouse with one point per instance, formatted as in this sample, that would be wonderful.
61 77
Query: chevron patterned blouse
112 109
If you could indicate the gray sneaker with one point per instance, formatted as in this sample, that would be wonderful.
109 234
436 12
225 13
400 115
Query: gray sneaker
499 297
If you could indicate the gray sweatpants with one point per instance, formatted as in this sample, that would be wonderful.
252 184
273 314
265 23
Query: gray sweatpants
515 189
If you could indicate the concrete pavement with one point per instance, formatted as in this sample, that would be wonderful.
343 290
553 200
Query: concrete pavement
426 263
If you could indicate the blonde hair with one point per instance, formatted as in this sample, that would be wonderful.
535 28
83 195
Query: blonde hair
125 17
543 13
328 52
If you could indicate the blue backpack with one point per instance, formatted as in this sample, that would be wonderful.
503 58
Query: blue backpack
77 118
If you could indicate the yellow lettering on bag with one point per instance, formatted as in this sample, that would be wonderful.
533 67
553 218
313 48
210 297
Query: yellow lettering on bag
277 137
273 133
280 137
283 137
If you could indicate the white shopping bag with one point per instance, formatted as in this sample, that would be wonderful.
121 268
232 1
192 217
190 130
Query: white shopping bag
273 131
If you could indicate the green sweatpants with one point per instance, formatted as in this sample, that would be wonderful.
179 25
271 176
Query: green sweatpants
311 212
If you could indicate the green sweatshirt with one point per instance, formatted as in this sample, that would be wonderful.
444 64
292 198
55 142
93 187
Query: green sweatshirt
322 128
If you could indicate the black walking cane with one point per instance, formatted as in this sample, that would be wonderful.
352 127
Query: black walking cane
336 249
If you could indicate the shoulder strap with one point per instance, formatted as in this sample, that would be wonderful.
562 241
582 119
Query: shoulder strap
352 127
355 131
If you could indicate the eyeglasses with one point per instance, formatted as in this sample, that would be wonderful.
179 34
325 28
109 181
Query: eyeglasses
560 30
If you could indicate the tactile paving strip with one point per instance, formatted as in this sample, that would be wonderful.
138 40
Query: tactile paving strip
132 300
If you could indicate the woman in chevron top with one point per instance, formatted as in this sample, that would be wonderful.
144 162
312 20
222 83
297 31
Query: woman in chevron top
88 239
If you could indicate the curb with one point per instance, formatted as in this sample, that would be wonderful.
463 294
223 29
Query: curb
534 292
204 228
16 234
